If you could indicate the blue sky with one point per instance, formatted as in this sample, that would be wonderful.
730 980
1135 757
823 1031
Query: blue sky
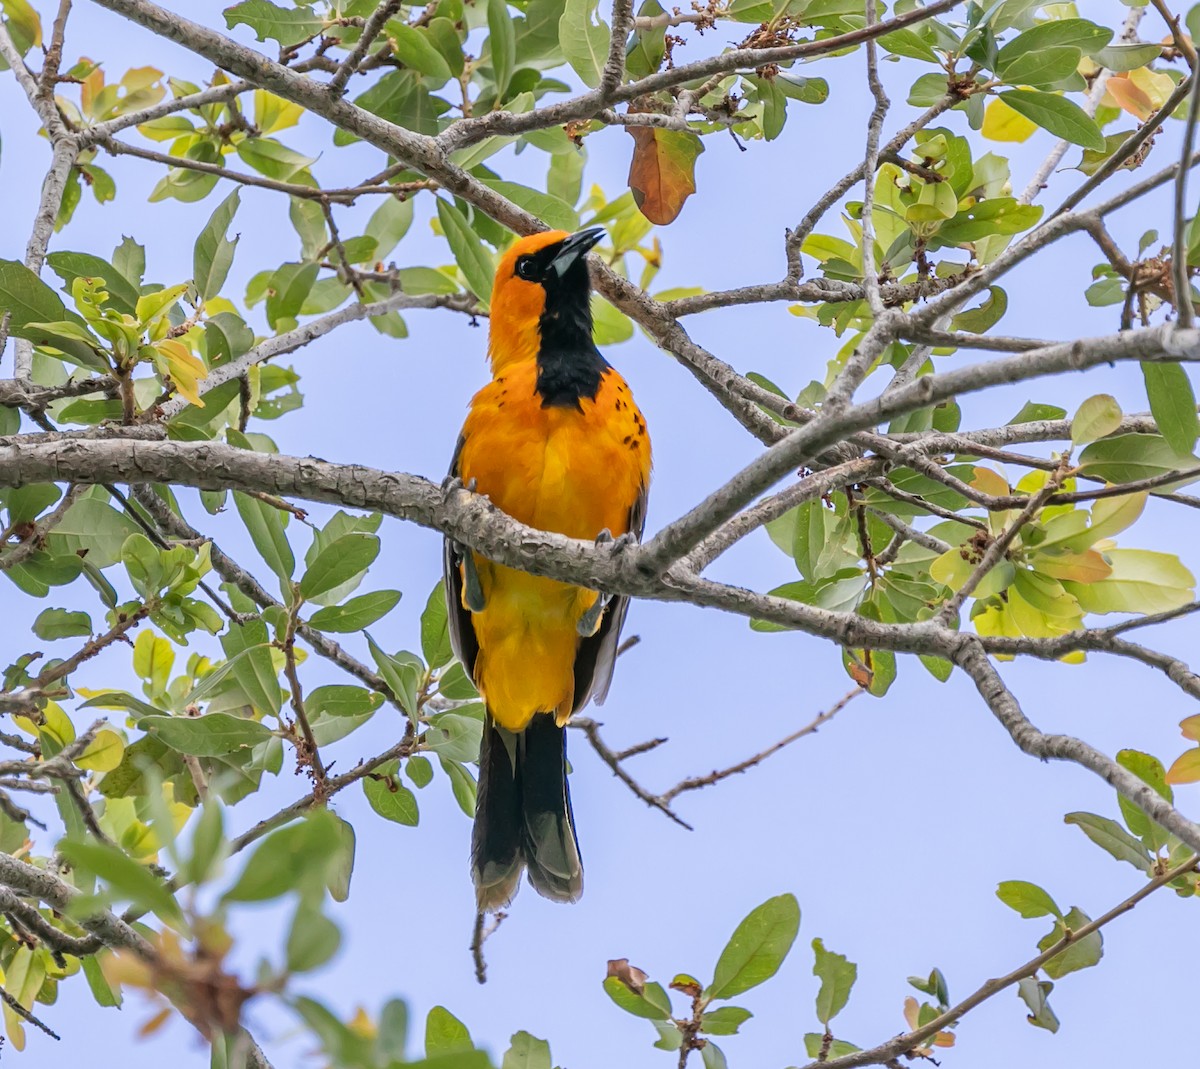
892 826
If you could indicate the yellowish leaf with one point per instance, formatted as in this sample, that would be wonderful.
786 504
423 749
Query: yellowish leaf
990 482
184 368
1086 567
1002 123
56 724
1191 727
103 753
1186 768
156 1022
273 113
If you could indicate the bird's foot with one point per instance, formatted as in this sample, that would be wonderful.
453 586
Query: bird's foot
621 541
452 482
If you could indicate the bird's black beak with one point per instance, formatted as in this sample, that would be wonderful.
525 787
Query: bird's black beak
574 248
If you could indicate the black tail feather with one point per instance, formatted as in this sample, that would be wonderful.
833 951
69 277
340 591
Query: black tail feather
523 815
550 847
496 857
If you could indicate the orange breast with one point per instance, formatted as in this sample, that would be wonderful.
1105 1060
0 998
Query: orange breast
568 470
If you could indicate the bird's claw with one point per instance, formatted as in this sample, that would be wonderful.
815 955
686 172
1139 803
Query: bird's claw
621 541
452 482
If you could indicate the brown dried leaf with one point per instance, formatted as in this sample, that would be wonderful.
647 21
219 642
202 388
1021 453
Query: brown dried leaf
662 173
859 672
689 985
630 975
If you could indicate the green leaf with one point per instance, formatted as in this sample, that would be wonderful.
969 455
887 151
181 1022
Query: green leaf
27 298
312 940
1097 417
122 294
389 797
1028 899
1127 57
266 527
652 1003
462 784
1056 114
1041 69
419 770
414 49
355 614
101 991
61 623
837 976
456 734
246 645
1129 457
584 40
1034 993
547 207
208 842
298 855
1149 770
814 1043
1079 955
97 529
1110 836
389 223
473 260
211 735
213 254
724 1021
987 315
288 289
288 26
445 1033
1071 33
503 44
757 947
435 632
984 218
340 699
647 47
126 877
526 1051
712 1057
1172 404
339 562
341 860
402 673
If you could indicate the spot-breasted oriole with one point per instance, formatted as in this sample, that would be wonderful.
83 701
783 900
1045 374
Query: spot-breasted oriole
555 441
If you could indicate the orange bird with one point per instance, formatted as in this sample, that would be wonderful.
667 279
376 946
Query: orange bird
555 441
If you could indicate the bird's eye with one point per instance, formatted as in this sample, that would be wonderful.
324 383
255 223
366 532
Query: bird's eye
527 269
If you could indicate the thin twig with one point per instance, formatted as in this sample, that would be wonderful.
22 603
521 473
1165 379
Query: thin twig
902 1044
1184 310
373 27
481 935
694 783
592 730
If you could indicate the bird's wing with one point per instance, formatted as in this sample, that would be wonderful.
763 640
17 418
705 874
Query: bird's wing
462 631
597 655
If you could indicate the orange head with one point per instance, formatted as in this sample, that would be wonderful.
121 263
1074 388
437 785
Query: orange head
541 290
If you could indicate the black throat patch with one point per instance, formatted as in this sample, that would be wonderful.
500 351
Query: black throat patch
570 366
